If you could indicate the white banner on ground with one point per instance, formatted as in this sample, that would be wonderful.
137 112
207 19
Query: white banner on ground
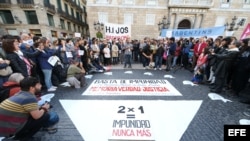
139 87
122 31
131 120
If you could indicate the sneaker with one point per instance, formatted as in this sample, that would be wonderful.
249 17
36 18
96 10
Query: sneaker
51 89
99 70
54 87
159 68
10 139
247 113
244 122
155 68
50 130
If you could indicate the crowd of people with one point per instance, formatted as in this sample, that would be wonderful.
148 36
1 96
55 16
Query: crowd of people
222 61
30 63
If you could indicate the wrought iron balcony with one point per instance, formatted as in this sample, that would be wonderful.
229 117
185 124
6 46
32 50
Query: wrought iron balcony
50 7
26 3
191 3
79 8
63 13
5 3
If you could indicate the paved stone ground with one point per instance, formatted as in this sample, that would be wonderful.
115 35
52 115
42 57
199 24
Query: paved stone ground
207 125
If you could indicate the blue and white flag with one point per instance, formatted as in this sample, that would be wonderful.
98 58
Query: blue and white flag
198 32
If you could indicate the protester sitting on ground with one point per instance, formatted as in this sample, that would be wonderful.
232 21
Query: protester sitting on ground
198 76
11 86
21 117
94 65
76 75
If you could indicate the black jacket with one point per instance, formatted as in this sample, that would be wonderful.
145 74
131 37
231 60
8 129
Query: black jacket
225 62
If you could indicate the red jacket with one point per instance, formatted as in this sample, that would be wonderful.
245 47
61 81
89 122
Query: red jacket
201 60
196 46
15 87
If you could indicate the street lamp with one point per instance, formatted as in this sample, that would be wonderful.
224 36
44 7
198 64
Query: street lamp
233 25
164 24
98 26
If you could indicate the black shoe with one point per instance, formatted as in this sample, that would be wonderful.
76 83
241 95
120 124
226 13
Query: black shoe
84 85
50 130
245 101
215 91
9 139
212 86
192 71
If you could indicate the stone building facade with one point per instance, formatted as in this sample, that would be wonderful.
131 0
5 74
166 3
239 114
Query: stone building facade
144 15
48 18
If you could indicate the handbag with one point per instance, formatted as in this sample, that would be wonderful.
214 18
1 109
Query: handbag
6 71
165 55
151 64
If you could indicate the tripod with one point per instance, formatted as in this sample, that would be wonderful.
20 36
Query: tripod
175 69
187 66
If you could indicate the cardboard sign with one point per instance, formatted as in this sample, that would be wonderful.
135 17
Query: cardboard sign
69 54
77 34
53 59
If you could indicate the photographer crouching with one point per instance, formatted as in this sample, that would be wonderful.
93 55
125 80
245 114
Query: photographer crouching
20 115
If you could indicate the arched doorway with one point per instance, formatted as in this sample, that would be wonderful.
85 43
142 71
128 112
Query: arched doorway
184 24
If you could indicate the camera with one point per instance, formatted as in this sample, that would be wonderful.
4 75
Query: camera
50 106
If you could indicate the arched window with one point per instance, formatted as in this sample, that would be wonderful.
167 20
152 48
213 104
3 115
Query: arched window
184 24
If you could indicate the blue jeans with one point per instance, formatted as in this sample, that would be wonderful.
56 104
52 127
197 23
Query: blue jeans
47 77
127 60
53 119
174 61
158 61
145 61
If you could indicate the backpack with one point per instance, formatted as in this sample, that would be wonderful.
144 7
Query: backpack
5 92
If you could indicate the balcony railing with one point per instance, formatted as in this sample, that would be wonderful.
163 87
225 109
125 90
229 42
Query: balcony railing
63 13
25 3
5 3
50 7
79 8
191 3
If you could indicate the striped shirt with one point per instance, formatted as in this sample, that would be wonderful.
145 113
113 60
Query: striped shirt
15 111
